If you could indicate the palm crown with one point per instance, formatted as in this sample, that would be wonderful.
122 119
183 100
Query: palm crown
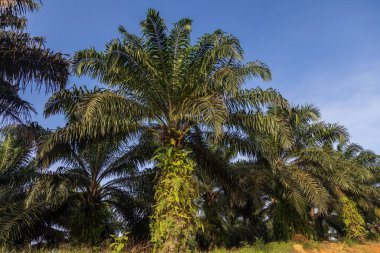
161 80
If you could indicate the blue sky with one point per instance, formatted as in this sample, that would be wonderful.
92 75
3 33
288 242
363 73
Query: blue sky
320 51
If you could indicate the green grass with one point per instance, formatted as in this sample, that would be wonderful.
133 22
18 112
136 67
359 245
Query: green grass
275 247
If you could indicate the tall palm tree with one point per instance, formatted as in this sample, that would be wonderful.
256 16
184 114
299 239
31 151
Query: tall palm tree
23 60
160 83
308 193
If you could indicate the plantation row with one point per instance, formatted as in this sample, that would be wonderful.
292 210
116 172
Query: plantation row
173 153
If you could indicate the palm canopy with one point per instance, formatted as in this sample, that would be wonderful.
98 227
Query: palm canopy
24 60
163 82
10 11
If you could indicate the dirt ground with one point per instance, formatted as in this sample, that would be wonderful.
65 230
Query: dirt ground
340 248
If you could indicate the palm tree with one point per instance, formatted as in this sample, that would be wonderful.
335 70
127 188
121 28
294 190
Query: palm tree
95 190
162 84
353 183
18 170
24 60
276 176
345 178
367 203
99 186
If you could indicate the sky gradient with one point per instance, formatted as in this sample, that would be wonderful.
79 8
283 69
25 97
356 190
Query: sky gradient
320 52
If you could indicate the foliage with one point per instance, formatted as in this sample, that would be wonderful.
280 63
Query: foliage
100 187
89 196
90 223
174 221
120 242
23 60
17 171
353 221
275 247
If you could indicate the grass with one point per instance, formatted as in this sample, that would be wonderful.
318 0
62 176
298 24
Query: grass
274 247
309 245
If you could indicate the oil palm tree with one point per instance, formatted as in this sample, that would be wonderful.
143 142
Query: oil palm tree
23 60
160 83
367 203
96 190
276 179
99 186
350 175
18 170
340 172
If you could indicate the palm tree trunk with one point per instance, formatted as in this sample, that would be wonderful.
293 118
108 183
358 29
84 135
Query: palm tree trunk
352 219
174 221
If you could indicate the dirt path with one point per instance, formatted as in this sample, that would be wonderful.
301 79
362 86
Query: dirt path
340 248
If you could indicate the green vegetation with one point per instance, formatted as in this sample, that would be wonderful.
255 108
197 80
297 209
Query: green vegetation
274 247
175 220
174 154
120 243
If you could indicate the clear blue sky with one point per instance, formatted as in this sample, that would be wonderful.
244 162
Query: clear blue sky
320 51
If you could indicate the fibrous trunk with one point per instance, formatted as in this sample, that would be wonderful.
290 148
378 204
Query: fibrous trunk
174 222
352 219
